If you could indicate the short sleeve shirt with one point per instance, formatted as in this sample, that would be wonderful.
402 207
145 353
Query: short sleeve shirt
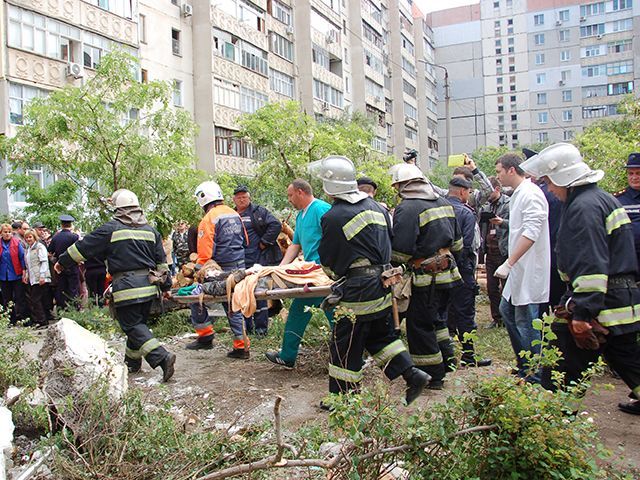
308 230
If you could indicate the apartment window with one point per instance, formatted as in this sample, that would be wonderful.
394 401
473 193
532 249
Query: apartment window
321 57
496 24
500 118
93 48
510 41
501 108
228 143
499 89
564 35
372 35
498 70
243 53
119 7
511 50
622 4
513 98
592 9
411 133
281 83
565 75
514 137
541 78
543 137
542 98
539 58
619 68
499 80
538 19
244 12
592 30
407 45
565 55
563 15
498 43
281 46
512 88
327 93
373 88
379 144
177 93
175 41
539 39
496 4
142 28
509 3
623 25
498 51
514 117
510 21
567 115
509 30
543 117
594 91
226 93
408 88
620 88
410 111
280 11
19 96
373 60
144 76
252 100
175 2
620 46
598 111
408 67
568 135
567 95
592 51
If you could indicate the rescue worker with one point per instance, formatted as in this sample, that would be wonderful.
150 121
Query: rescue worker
356 245
630 198
221 237
68 282
462 299
137 264
425 234
600 312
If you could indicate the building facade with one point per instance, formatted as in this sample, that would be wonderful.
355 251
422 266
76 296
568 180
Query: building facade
535 71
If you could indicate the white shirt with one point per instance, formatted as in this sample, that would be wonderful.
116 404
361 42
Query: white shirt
528 281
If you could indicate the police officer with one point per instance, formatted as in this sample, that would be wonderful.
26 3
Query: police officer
630 198
601 308
462 298
425 234
133 251
356 245
68 282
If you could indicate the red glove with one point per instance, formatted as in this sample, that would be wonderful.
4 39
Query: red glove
583 335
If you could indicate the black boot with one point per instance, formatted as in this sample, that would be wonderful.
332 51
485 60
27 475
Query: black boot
167 366
202 343
416 381
133 364
240 353
469 357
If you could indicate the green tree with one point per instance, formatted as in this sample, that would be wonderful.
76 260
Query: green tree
112 132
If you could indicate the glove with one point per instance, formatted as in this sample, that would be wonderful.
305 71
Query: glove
503 270
583 335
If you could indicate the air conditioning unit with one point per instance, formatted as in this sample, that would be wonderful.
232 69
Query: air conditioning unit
559 22
599 36
290 30
561 83
187 10
332 36
74 70
583 19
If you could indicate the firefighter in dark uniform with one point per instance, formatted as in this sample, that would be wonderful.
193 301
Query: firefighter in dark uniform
137 263
68 282
630 198
461 302
356 246
425 235
600 312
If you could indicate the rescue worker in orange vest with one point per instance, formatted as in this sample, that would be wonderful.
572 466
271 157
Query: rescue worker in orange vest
221 237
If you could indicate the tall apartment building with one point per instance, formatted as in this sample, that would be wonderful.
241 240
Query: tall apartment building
534 71
229 57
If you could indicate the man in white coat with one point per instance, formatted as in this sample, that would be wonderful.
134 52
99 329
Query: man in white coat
527 269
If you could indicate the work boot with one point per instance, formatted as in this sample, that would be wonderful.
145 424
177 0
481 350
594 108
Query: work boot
416 381
203 343
632 407
494 324
435 384
471 360
167 366
274 357
133 365
240 353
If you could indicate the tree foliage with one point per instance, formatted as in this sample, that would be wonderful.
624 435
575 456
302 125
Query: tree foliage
112 132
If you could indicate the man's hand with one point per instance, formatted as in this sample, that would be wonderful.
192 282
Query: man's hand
58 268
41 281
583 335
166 295
496 220
468 162
503 270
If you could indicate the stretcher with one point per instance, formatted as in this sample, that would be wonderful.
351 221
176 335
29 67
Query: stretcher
260 294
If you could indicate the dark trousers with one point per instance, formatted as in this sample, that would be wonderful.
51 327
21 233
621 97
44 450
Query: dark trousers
461 306
68 287
494 285
259 322
13 292
622 353
39 302
422 317
350 339
140 341
95 285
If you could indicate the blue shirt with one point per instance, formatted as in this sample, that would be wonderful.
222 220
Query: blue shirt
308 230
7 272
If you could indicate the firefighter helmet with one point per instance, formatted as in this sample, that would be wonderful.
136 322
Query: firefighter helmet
405 172
337 173
563 164
208 192
124 198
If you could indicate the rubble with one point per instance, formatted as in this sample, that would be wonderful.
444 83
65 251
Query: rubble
6 437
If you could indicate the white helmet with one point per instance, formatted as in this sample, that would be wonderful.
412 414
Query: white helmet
405 172
337 173
564 166
124 198
208 192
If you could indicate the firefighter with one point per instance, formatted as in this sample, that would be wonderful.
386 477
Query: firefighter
600 312
133 250
356 245
67 288
425 235
221 237
630 198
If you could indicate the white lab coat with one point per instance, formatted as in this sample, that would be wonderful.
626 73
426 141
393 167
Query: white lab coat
528 281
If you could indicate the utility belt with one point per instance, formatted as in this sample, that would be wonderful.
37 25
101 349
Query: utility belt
621 281
440 262
120 275
155 277
367 271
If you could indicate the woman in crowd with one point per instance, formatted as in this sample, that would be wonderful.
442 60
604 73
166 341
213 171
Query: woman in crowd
11 269
37 277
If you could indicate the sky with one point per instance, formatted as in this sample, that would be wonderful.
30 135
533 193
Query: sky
432 5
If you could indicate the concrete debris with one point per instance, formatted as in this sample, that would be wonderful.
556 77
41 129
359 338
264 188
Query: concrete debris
6 439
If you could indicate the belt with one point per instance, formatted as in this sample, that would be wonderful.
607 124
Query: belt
621 281
118 275
367 271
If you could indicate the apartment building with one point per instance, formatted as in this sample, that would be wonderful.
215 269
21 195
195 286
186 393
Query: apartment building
534 71
230 57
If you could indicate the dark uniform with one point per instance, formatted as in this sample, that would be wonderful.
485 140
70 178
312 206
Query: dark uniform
356 244
68 282
595 242
130 253
420 229
630 200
